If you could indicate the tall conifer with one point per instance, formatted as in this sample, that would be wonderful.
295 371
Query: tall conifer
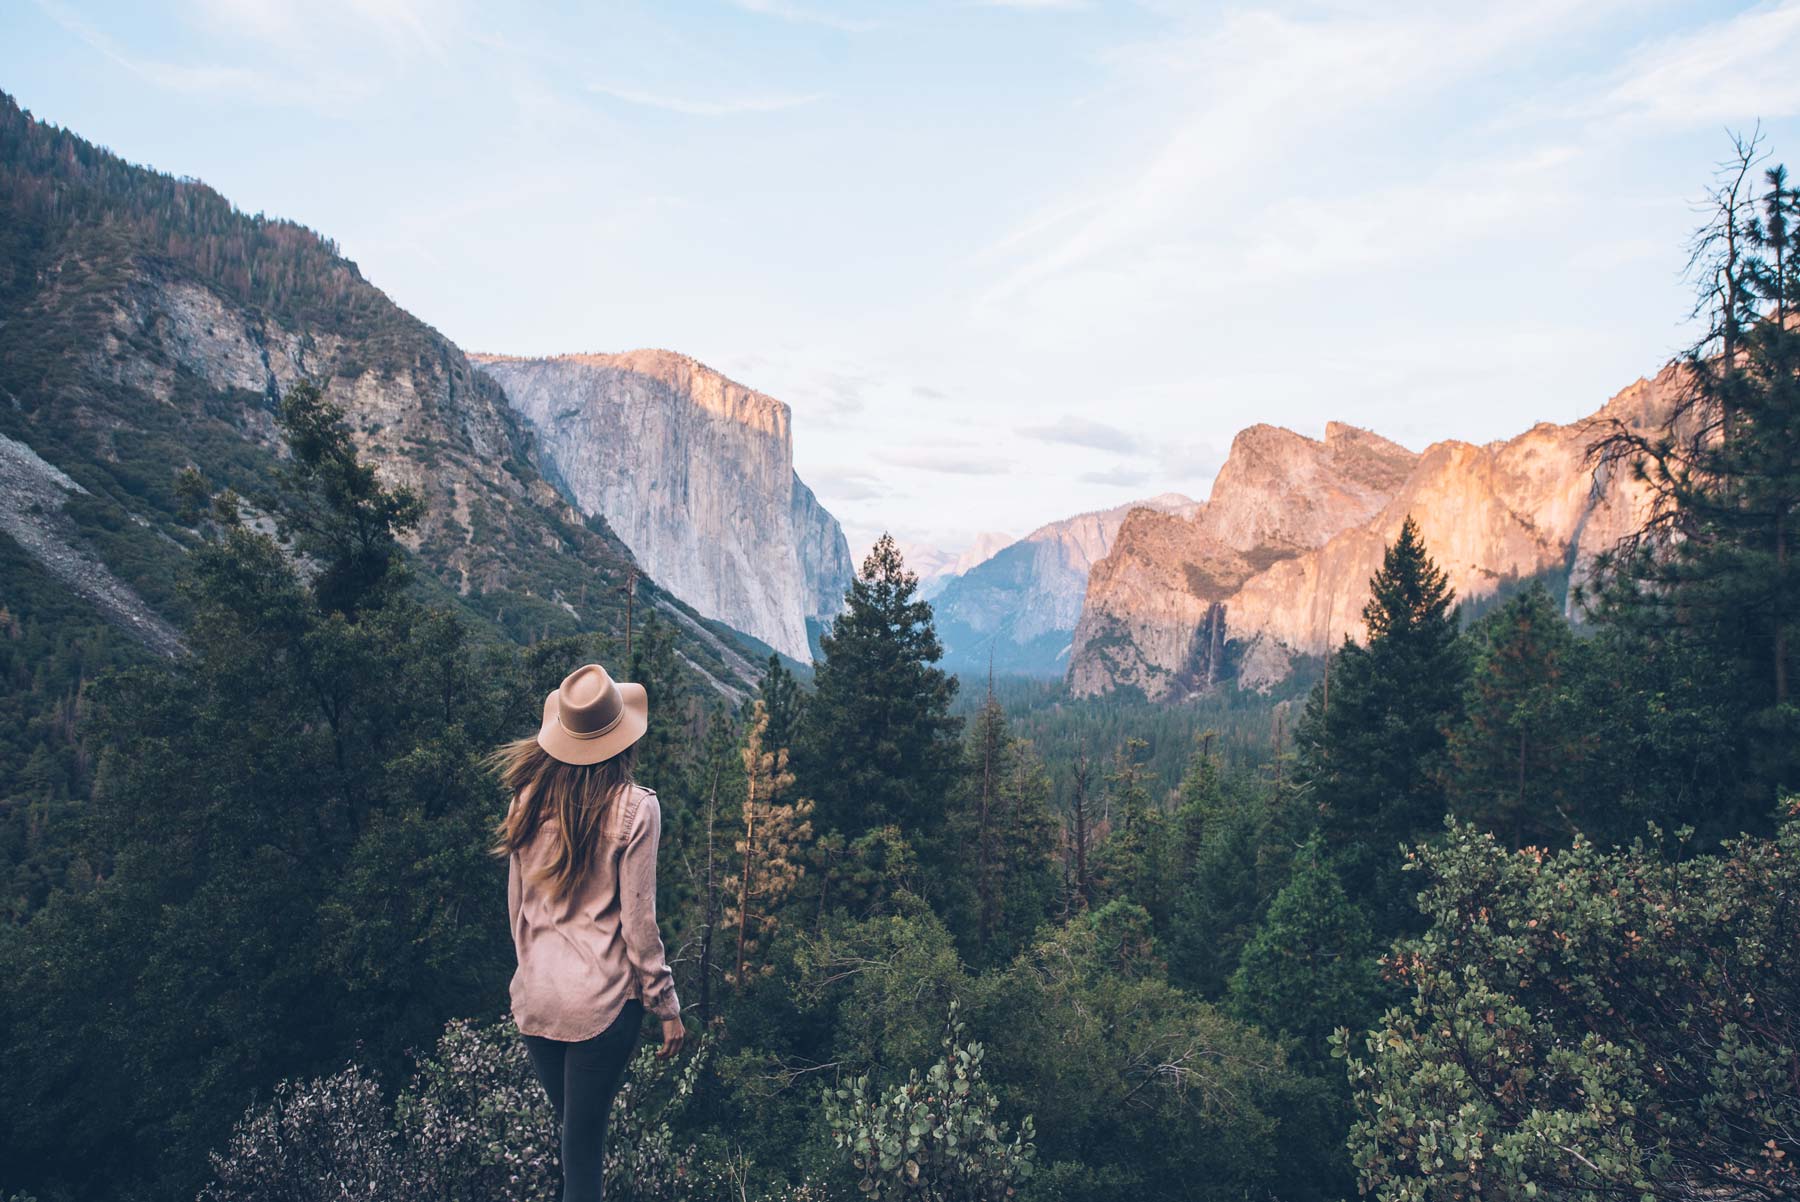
1711 577
1373 764
879 741
1516 759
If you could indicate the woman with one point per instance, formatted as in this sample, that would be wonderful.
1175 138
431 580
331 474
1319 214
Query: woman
580 840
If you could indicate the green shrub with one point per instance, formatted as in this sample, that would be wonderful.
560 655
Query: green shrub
1589 1025
934 1138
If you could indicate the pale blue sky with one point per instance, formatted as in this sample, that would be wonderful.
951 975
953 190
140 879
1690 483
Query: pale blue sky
1007 261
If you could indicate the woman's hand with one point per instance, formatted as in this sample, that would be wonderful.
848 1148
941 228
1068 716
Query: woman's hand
674 1035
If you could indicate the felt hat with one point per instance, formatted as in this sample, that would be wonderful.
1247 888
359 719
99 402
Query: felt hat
591 717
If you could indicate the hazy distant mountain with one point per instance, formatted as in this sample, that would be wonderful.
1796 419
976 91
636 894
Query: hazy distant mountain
936 569
1020 604
702 487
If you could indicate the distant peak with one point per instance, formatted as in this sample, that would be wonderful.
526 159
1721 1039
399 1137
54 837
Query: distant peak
1166 500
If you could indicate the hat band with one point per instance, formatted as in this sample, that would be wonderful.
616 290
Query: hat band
589 734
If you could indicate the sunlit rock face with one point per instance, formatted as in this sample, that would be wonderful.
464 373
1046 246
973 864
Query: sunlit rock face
1152 617
1278 560
695 473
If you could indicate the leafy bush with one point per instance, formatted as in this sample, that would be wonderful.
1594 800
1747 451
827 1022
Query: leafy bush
1590 1024
933 1138
476 1111
474 1123
326 1140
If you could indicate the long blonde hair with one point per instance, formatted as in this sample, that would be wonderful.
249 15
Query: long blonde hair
578 796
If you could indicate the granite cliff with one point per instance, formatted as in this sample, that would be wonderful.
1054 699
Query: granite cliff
1278 561
695 473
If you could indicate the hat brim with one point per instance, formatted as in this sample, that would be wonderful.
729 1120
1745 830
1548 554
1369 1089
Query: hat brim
560 744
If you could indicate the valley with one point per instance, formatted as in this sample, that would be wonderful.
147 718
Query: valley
1349 783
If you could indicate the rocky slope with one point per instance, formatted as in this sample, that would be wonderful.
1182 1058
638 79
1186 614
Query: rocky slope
1019 604
1278 562
146 325
32 494
695 473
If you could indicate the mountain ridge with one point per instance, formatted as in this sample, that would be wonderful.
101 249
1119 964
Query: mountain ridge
149 325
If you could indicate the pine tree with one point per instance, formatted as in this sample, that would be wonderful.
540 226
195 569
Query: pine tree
1141 854
1078 892
1026 854
1200 794
1312 965
1516 759
1373 765
663 760
1004 837
987 754
784 701
880 743
1225 884
1713 567
336 511
769 864
721 775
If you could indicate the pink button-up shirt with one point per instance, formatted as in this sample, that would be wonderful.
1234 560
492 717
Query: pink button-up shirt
581 956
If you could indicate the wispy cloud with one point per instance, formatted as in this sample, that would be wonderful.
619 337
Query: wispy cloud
1733 70
845 484
794 14
1083 432
1247 86
1186 464
949 462
1120 475
424 27
1036 5
328 93
692 107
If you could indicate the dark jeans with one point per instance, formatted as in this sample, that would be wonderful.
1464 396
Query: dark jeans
581 1079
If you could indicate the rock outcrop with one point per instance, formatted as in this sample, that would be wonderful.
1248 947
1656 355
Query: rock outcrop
695 473
1152 617
1017 606
1278 561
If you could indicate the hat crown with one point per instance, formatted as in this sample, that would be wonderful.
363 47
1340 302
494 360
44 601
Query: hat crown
587 701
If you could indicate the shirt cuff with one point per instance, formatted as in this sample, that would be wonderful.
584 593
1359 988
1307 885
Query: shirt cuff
666 1006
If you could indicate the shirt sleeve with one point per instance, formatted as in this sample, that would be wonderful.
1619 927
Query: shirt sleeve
514 897
515 888
637 908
